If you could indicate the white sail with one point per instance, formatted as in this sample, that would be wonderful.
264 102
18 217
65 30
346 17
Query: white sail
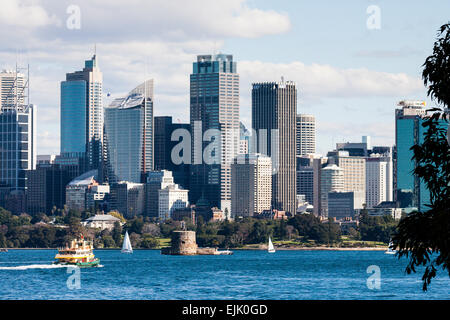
126 246
270 247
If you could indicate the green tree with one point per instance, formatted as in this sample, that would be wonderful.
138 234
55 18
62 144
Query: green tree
108 241
149 243
40 217
118 215
260 233
135 225
424 237
117 233
2 241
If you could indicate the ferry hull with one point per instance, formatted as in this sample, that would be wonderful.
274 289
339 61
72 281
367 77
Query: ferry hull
93 263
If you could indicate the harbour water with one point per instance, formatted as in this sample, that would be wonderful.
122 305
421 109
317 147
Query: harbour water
146 274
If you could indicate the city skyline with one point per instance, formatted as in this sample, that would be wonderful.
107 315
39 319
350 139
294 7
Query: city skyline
329 80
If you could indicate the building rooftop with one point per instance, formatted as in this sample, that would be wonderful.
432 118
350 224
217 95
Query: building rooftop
102 217
86 178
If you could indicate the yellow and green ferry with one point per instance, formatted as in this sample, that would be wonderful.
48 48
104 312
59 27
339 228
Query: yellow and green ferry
78 253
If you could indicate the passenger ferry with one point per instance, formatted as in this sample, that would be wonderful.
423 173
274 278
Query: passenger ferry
79 253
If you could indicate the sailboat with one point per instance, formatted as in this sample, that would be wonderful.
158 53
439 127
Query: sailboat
390 250
126 246
270 247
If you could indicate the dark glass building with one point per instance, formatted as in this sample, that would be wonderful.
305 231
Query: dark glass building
46 188
214 104
274 110
163 145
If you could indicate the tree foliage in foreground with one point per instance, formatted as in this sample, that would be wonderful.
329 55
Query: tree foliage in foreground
424 237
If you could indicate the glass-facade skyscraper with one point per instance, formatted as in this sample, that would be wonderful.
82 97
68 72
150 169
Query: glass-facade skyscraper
410 190
17 131
214 104
163 146
82 115
129 137
274 110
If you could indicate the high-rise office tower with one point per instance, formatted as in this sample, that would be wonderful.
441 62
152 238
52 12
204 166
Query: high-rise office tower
305 178
17 131
331 180
409 190
128 198
214 101
377 179
306 134
163 146
82 115
156 180
274 109
354 169
12 88
129 137
317 163
162 142
251 185
46 188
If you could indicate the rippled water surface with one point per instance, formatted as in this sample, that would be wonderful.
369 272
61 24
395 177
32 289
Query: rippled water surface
146 274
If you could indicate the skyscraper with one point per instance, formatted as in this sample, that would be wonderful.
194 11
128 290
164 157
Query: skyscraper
12 85
409 190
17 131
274 109
82 115
377 171
306 134
129 137
163 146
156 180
354 170
214 101
305 178
331 180
251 185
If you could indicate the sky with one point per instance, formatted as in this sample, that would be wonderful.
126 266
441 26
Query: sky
352 60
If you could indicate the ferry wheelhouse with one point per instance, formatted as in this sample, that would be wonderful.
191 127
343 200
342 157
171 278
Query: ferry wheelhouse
79 253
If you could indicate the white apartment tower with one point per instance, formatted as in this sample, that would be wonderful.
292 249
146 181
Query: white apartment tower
376 171
306 134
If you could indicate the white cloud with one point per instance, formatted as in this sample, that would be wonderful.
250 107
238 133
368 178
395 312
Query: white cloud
25 14
322 81
179 20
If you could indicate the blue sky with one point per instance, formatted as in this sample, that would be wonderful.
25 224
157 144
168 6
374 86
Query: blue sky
348 76
325 32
